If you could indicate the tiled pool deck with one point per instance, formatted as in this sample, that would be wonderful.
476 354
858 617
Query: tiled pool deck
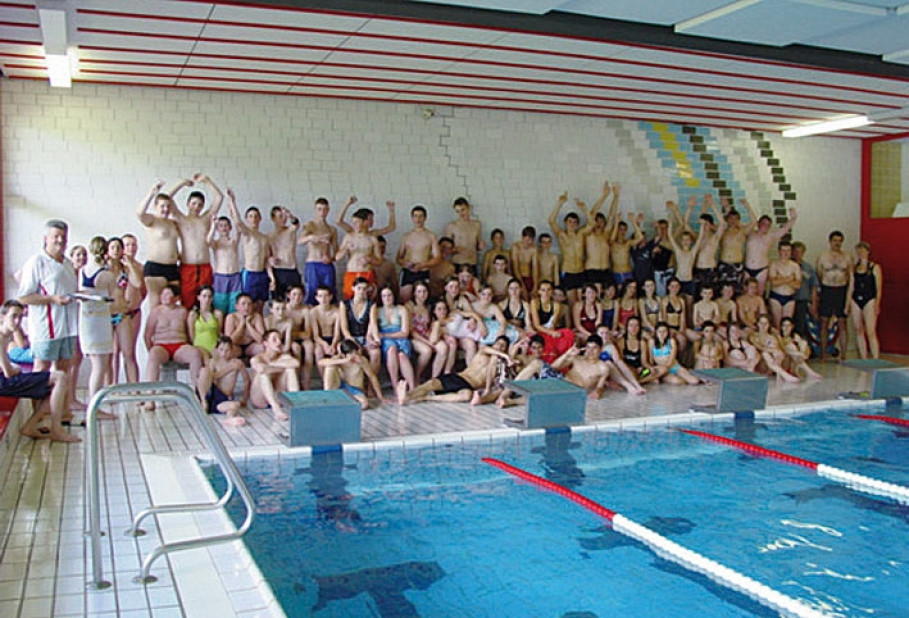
45 558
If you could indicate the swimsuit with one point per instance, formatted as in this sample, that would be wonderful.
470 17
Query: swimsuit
608 316
754 272
165 271
665 350
193 277
573 281
285 278
624 314
353 390
832 301
409 277
171 348
357 325
351 276
588 323
255 283
419 322
206 332
390 326
226 289
598 275
215 398
782 299
316 274
864 287
513 317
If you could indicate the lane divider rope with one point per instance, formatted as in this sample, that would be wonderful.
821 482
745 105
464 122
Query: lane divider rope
672 551
858 482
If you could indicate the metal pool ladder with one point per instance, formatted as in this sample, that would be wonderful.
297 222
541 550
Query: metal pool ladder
160 392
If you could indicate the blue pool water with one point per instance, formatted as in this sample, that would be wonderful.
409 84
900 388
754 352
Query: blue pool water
432 531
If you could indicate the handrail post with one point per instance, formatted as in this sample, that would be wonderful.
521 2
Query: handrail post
164 391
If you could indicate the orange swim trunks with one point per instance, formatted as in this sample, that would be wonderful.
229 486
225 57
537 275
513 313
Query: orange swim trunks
349 278
193 277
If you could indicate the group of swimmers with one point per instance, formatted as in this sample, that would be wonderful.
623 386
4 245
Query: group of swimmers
612 306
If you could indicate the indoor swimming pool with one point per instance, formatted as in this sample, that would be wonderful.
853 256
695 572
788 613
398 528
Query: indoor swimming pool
432 530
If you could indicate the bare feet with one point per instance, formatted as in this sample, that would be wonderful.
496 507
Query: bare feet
34 433
476 399
62 436
281 415
401 392
148 406
235 421
105 416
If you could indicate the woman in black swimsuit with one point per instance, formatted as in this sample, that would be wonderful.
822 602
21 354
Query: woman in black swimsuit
515 308
865 303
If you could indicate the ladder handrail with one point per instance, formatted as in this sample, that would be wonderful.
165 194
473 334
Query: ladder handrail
160 391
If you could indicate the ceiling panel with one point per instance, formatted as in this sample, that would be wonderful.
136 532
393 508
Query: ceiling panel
290 18
881 36
664 12
781 22
309 52
186 8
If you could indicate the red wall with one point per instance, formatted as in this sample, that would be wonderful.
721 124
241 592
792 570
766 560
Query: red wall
889 239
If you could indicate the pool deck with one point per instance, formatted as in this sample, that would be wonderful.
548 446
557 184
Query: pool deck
45 558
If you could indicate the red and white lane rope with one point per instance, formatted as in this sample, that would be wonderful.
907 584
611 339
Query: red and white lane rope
671 550
858 482
892 420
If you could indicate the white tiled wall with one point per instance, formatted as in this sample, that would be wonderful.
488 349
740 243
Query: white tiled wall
89 154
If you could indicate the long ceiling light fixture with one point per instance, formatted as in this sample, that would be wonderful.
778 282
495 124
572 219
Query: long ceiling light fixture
848 122
60 61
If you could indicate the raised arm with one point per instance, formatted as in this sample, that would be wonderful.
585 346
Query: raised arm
234 213
392 223
588 224
601 200
752 216
217 196
145 217
638 232
614 205
554 215
210 237
786 227
343 213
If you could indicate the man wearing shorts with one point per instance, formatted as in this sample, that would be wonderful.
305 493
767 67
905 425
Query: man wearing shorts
455 387
362 252
348 371
47 282
48 388
571 243
322 241
195 263
418 253
255 279
834 271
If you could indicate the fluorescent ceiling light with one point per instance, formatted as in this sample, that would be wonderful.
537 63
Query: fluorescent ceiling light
840 124
58 70
703 18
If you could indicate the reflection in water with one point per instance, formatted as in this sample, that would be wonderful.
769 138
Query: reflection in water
328 485
827 492
386 586
558 464
610 539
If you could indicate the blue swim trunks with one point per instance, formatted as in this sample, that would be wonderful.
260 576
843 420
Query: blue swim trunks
255 283
227 288
316 274
352 390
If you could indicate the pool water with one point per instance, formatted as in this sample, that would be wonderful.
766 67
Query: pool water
433 531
